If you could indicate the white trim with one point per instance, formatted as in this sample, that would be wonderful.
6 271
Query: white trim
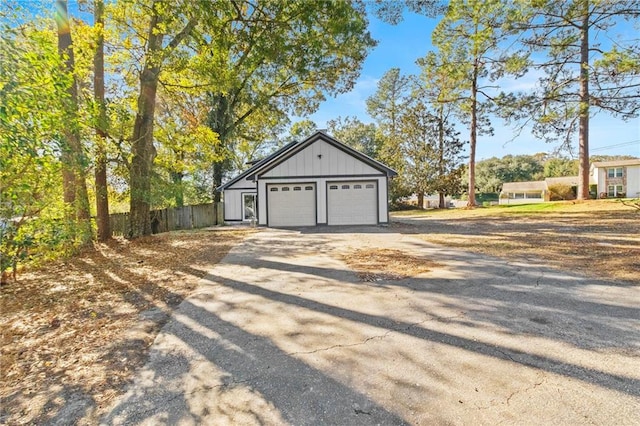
243 211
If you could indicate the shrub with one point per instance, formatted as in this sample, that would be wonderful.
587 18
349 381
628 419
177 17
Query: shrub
561 192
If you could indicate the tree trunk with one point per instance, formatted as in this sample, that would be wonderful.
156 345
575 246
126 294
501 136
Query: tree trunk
218 174
66 53
142 139
583 132
143 155
421 200
176 179
441 204
472 139
73 159
102 195
219 121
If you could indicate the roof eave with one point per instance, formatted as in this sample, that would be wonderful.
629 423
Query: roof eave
257 165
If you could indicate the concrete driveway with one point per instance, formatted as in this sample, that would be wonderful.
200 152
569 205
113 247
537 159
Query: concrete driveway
282 332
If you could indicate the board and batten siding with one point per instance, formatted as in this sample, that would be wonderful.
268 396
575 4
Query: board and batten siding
233 199
321 194
320 159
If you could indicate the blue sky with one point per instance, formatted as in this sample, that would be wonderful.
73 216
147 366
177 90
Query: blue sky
400 46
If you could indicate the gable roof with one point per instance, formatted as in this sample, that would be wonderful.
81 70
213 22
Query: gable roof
257 164
321 135
539 185
293 148
614 163
565 180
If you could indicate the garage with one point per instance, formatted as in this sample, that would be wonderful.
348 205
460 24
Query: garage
318 181
352 203
291 204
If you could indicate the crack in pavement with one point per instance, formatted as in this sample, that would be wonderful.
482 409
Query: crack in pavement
506 354
494 402
328 348
541 378
380 336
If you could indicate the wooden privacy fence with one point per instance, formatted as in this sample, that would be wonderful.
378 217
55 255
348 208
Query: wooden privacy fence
164 220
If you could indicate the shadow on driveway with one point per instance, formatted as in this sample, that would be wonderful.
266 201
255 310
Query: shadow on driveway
283 332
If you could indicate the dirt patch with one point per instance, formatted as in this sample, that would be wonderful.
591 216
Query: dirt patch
385 264
74 331
593 239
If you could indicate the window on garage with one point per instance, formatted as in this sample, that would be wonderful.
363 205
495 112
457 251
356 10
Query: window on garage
308 188
370 186
357 186
345 186
333 187
285 188
297 188
274 190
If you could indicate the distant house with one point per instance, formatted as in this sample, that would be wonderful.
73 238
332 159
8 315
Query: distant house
524 192
619 178
535 191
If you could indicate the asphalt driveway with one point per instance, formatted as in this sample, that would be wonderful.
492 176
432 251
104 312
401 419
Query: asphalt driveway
283 332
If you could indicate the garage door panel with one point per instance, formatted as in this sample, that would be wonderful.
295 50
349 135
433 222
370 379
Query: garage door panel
352 203
291 204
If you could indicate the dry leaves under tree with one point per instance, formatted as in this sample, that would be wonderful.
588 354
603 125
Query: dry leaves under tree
75 330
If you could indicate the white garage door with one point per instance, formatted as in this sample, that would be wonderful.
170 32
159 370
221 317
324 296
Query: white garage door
352 203
291 204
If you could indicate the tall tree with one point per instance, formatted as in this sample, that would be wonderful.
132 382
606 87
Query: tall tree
184 144
277 59
73 158
392 97
300 130
392 11
163 18
102 194
440 90
31 111
583 72
558 167
493 172
363 137
470 34
432 151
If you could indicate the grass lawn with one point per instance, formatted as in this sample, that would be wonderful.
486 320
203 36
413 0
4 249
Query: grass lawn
598 238
553 206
